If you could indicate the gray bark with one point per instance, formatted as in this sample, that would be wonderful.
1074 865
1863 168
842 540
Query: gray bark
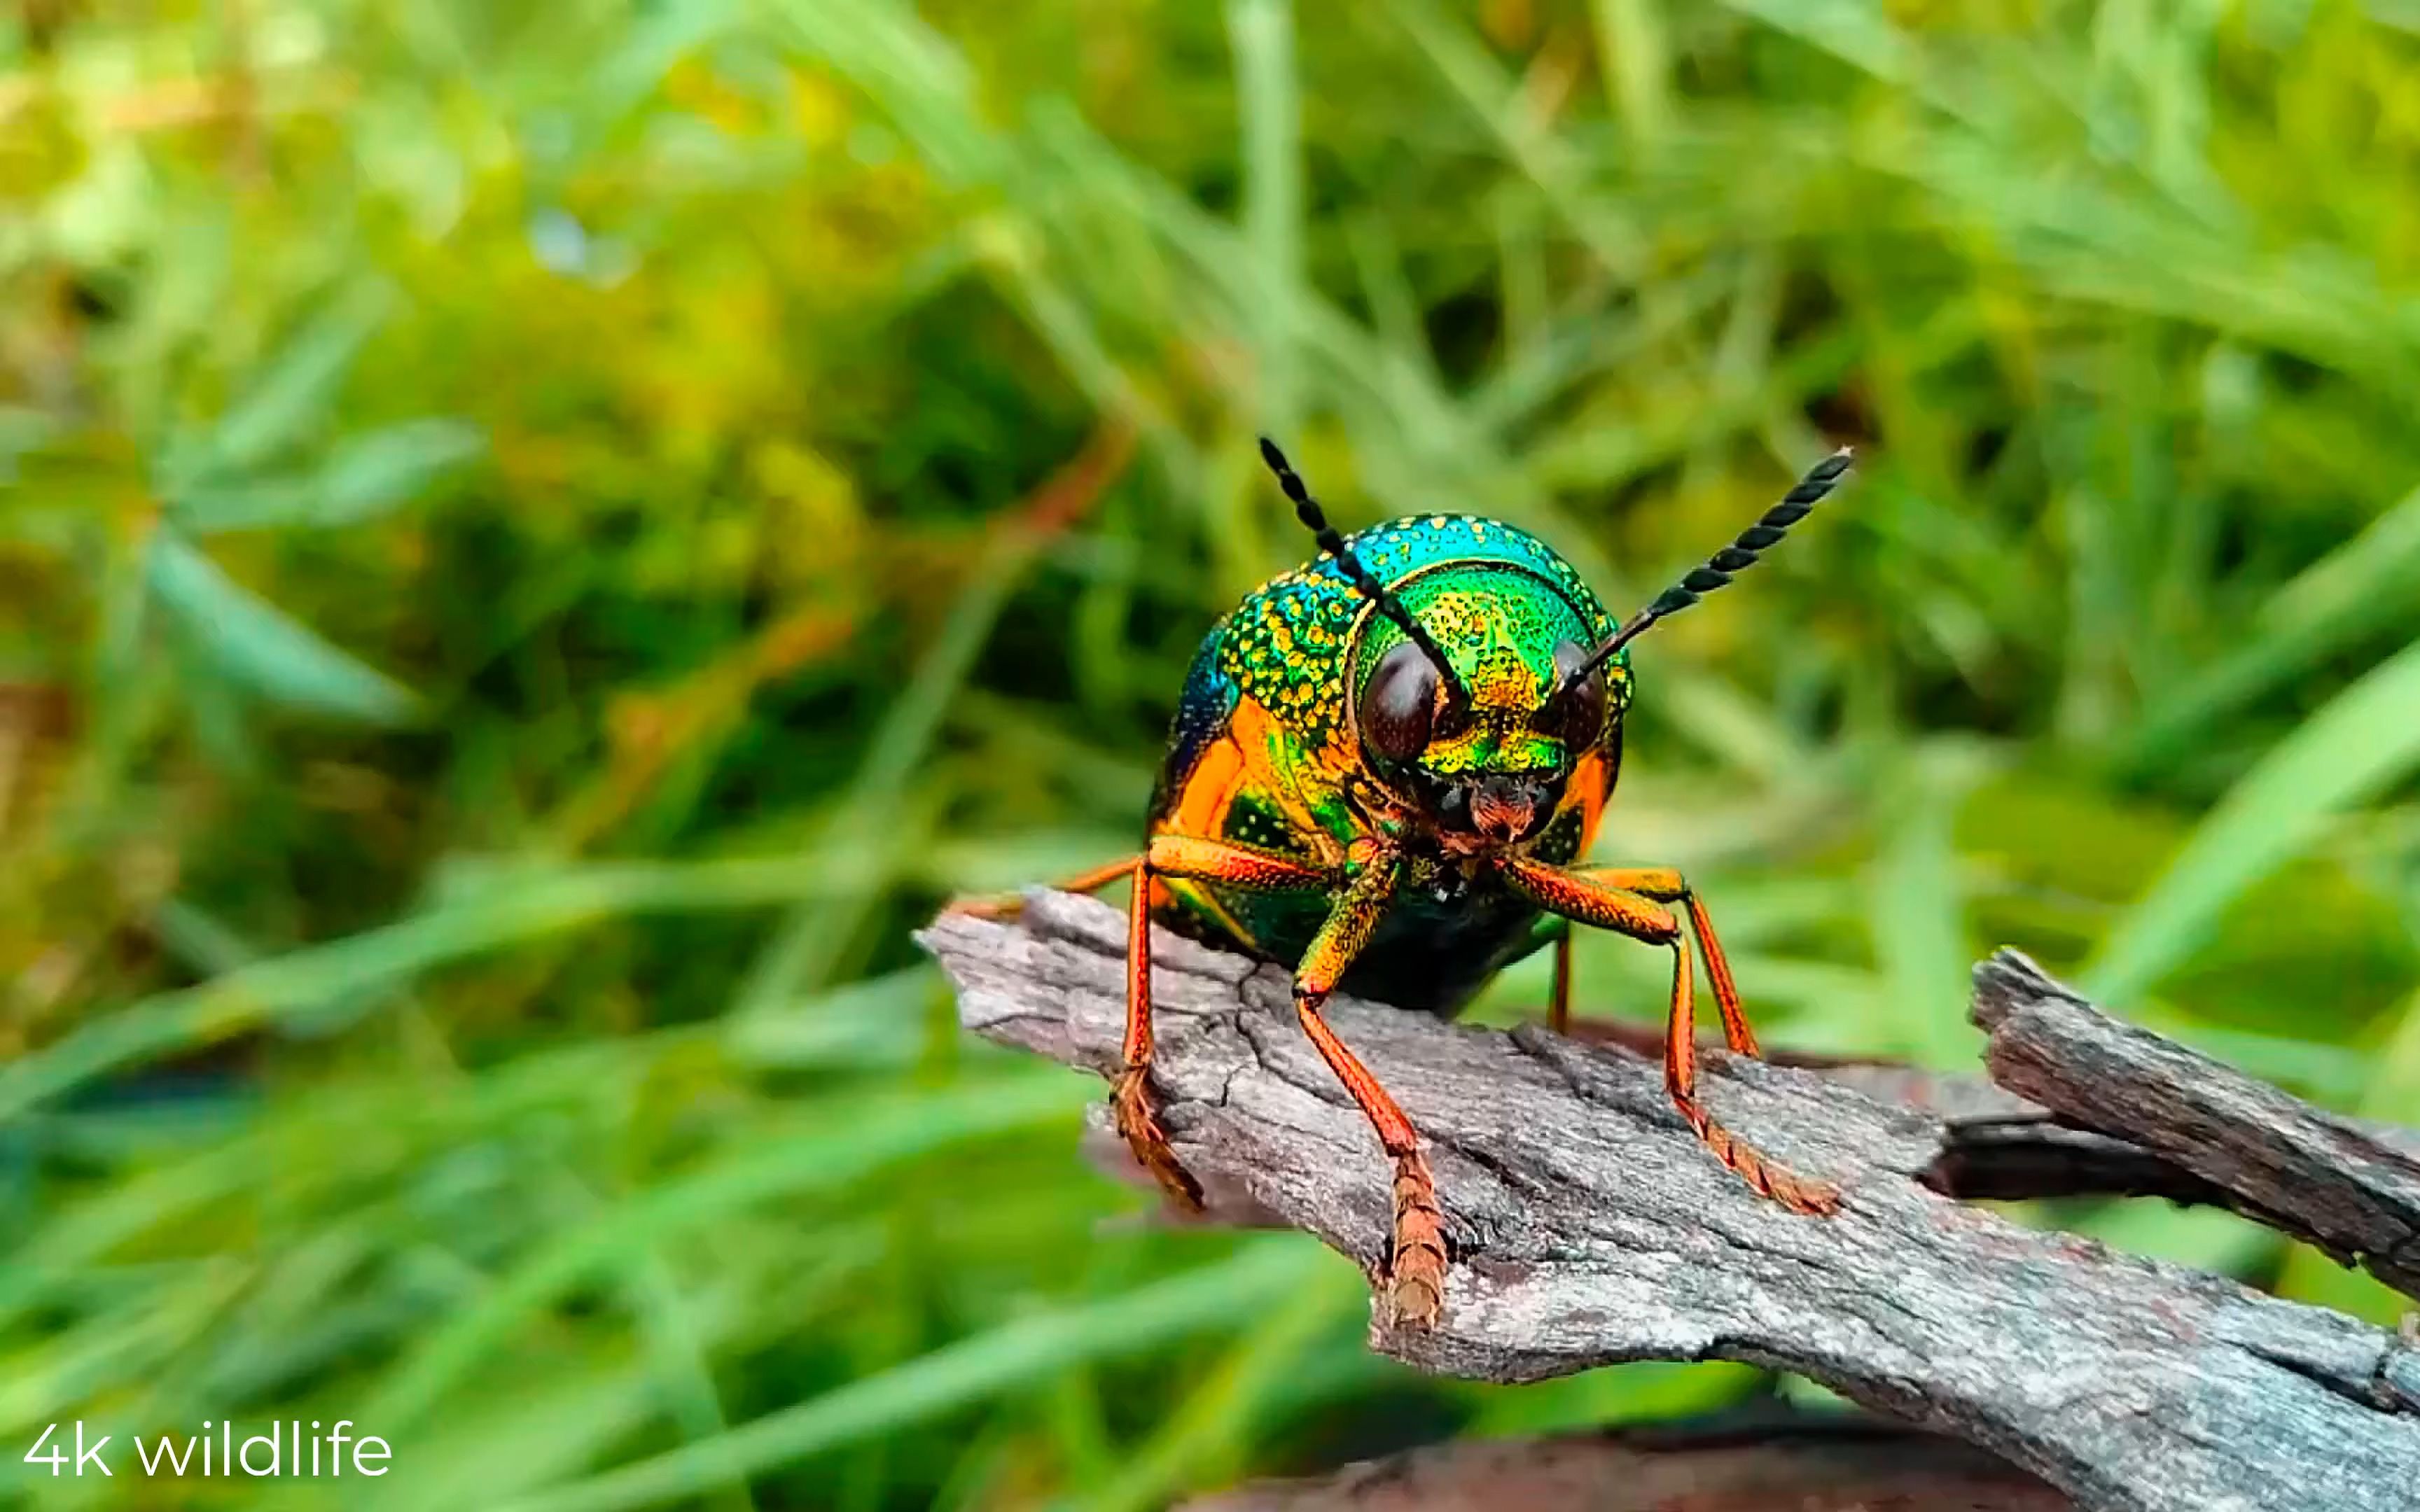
1590 1227
2345 1187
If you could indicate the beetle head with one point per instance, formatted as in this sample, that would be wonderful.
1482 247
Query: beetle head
1487 769
1478 691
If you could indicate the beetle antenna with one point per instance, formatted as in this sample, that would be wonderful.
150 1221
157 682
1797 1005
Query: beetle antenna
1737 557
1315 520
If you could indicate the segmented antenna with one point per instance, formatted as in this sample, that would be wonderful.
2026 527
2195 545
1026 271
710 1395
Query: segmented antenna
1737 557
1315 520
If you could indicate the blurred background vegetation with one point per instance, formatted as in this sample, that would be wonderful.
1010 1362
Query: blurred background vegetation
539 542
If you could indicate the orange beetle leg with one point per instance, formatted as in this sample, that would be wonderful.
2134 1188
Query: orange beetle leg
1594 898
1416 1259
1130 1095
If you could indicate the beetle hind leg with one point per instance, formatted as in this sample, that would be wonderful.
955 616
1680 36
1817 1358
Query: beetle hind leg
1558 1006
1665 884
1013 904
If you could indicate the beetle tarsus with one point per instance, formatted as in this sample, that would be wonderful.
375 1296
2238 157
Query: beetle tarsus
1137 1110
1415 1268
1768 1176
997 908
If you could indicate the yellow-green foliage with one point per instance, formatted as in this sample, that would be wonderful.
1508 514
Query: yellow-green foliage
539 541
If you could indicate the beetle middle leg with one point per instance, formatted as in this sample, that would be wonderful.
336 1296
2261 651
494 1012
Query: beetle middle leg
1597 898
1558 1006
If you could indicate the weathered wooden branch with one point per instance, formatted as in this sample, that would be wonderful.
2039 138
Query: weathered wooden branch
1997 1145
1589 1228
2349 1188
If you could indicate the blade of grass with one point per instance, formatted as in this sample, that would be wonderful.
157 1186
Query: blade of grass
973 1368
295 983
259 645
366 477
893 1129
676 1344
1634 58
295 393
1269 102
1545 158
2360 588
1200 1441
2364 741
809 944
1918 920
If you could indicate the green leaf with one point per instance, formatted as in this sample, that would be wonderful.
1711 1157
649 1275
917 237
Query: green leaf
368 476
257 644
295 394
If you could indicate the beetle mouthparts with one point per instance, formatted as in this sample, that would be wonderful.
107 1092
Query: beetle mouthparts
1502 814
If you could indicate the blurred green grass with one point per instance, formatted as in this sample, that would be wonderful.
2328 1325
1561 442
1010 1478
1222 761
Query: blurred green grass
539 544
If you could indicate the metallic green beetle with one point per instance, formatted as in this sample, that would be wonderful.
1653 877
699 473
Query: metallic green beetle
1383 772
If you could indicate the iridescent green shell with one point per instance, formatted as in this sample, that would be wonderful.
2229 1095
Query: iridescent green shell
1263 740
1290 643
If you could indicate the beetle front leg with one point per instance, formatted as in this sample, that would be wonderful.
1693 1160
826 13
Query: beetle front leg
1415 1257
1590 899
1130 1096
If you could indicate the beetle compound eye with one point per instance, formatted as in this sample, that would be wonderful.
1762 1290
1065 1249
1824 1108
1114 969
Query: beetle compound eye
1577 711
1399 705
